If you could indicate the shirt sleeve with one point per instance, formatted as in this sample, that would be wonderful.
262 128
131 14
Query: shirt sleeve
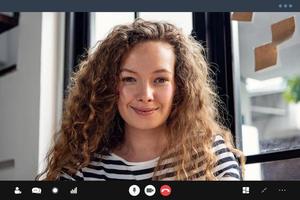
227 167
67 177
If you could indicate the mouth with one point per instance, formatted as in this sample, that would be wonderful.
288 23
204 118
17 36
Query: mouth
144 111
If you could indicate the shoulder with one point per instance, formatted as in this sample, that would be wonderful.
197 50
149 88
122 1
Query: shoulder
64 176
227 166
80 174
100 167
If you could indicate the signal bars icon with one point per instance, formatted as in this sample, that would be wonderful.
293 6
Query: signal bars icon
73 191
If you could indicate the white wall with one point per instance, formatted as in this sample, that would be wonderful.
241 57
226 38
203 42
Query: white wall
12 46
258 32
3 45
19 103
22 104
51 90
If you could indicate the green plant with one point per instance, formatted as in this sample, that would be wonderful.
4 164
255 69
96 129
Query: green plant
292 92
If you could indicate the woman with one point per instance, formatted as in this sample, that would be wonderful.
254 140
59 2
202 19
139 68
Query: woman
142 107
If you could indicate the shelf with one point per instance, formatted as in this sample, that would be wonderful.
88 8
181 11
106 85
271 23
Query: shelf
8 70
7 22
7 163
267 92
268 110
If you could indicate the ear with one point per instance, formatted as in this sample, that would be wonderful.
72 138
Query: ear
117 95
117 90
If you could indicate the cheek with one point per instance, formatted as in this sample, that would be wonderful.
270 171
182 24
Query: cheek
125 95
166 94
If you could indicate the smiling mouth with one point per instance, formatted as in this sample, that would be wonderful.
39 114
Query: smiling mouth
144 111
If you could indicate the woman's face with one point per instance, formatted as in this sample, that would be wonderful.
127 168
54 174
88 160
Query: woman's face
147 85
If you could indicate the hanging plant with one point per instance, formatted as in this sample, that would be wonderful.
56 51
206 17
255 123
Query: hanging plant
292 92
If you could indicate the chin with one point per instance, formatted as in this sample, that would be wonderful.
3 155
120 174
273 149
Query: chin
144 125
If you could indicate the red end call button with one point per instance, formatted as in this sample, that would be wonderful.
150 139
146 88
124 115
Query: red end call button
165 190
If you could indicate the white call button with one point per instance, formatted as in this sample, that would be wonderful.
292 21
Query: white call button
134 190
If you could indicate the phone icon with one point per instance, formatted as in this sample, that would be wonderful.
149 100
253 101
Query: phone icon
165 190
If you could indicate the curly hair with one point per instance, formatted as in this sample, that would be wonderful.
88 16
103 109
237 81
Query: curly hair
92 124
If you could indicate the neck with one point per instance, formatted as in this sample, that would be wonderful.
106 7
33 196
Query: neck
142 145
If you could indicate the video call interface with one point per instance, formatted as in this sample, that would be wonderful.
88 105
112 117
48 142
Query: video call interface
150 103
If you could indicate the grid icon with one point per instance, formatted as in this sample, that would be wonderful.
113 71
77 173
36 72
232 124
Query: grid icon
246 190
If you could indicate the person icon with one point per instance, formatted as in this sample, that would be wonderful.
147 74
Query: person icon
18 191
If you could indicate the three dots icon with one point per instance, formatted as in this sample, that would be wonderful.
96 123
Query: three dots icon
285 5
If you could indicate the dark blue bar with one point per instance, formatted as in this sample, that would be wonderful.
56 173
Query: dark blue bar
150 5
275 190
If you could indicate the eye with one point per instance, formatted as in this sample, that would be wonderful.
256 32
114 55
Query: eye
128 79
160 80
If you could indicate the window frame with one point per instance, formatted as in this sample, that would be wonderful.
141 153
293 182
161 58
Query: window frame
214 29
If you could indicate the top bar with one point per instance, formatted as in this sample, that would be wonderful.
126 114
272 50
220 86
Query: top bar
150 5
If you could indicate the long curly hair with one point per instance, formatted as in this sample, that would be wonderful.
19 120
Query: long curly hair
92 124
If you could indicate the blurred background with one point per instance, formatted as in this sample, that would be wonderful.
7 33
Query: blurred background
255 57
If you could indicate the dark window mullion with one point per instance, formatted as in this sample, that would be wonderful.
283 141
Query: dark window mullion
213 30
136 15
76 43
273 156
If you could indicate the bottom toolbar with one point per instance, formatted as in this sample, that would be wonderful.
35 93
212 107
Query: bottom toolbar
149 189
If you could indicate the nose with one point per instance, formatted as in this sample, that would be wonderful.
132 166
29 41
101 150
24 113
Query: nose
145 93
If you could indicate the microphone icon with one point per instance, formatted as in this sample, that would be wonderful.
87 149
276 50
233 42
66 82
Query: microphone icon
134 190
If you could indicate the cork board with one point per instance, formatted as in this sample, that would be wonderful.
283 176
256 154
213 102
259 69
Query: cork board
265 56
242 16
283 30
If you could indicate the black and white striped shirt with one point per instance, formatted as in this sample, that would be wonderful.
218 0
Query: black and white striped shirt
113 167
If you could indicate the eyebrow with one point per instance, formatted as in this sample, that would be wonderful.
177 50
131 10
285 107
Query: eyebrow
156 71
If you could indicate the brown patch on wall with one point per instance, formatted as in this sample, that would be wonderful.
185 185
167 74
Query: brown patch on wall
283 30
242 16
265 56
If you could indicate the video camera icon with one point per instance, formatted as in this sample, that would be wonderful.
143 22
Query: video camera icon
149 190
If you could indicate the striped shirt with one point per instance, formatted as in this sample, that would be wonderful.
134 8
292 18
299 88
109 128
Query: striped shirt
113 167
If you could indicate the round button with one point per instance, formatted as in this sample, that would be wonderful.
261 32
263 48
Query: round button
149 190
55 190
165 190
134 190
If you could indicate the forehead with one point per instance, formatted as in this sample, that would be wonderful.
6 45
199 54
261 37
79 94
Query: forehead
150 56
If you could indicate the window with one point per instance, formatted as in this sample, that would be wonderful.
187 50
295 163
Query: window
180 19
103 22
269 117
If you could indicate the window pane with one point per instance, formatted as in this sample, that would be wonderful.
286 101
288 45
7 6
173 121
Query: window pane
276 170
269 82
103 22
180 19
